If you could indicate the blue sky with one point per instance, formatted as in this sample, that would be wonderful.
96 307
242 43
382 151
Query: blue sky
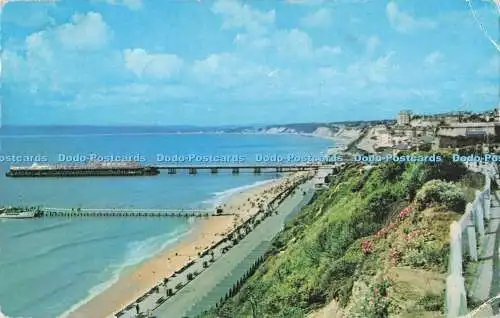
167 62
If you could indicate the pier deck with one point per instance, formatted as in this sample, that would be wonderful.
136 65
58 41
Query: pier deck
235 169
116 212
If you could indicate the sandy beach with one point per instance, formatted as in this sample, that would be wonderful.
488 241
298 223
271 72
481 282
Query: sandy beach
204 234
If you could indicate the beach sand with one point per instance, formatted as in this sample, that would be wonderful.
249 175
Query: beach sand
205 233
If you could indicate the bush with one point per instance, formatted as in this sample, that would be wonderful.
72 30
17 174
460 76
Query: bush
441 193
375 304
425 147
392 170
414 180
431 302
446 170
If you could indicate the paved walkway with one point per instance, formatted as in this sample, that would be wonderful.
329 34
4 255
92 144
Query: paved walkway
214 282
486 283
154 298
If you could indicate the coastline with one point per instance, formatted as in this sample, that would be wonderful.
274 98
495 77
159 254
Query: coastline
204 233
135 281
336 137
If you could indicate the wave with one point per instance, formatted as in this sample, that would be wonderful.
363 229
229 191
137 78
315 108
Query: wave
220 197
137 253
63 246
2 315
41 229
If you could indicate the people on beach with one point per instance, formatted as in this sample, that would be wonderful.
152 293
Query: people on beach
248 213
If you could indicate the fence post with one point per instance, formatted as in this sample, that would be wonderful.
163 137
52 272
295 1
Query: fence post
487 198
479 216
456 248
471 233
456 299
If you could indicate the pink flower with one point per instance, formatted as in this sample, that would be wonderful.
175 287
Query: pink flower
404 213
367 247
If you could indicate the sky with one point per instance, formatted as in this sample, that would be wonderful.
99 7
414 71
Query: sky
222 62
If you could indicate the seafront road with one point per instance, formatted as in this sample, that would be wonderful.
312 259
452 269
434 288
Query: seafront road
214 282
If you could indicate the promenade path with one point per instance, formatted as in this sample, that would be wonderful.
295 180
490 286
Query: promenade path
486 282
214 282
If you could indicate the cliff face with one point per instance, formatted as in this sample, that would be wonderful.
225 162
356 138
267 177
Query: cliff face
324 132
314 130
278 130
363 248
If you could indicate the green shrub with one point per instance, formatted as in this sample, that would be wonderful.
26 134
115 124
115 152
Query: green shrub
392 170
441 193
431 302
375 304
414 179
446 170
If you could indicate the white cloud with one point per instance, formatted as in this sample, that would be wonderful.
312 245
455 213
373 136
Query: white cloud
298 44
237 15
405 23
227 71
252 42
259 36
306 2
319 2
36 17
433 58
50 55
377 71
131 4
318 19
144 64
85 31
293 43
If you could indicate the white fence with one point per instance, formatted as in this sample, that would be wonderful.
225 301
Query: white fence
466 237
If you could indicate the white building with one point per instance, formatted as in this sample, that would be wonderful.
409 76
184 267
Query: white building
404 118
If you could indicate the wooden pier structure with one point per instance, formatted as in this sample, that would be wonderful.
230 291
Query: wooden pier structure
117 212
235 169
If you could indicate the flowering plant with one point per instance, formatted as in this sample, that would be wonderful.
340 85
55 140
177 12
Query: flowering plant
377 301
405 213
395 255
367 247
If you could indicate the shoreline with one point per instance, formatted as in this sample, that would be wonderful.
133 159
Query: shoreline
181 243
337 136
135 281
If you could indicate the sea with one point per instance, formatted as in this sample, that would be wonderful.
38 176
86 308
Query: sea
49 266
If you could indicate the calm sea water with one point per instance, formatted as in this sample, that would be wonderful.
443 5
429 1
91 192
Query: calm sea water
48 266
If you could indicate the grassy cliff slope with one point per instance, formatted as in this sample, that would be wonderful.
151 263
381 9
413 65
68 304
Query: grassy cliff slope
372 245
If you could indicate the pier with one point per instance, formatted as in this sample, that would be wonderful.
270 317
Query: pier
236 169
117 212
